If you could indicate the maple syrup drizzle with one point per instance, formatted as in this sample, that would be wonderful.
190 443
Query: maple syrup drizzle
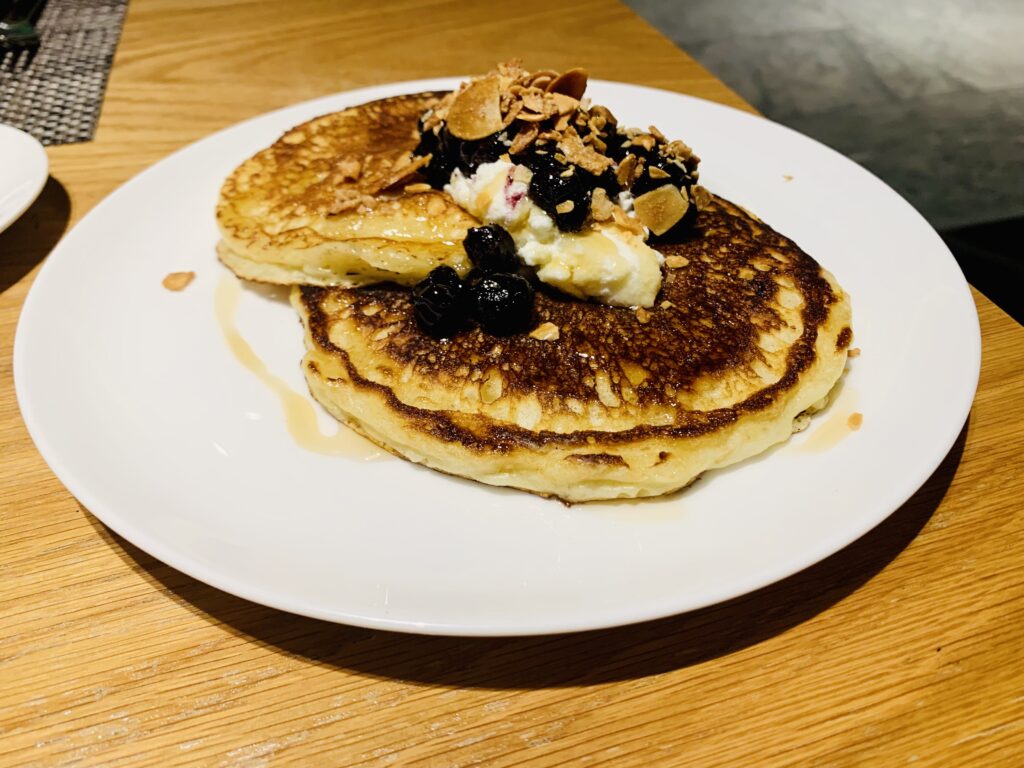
300 414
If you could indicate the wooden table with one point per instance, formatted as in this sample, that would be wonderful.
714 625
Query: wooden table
906 646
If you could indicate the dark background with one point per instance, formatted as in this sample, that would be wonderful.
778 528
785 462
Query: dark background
926 94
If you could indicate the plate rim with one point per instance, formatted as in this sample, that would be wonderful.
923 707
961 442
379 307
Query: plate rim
28 143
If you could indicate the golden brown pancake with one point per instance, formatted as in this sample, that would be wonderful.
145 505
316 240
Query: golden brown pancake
747 333
327 204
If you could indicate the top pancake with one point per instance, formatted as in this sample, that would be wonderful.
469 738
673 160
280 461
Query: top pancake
324 205
747 333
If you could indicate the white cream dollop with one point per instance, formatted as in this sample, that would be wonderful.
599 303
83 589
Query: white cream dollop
606 262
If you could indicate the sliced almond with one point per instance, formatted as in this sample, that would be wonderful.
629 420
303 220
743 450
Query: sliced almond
178 281
526 136
700 196
624 174
533 100
566 206
542 81
661 208
600 205
657 173
514 108
627 222
545 332
564 105
644 140
419 186
642 316
531 117
578 153
605 114
572 82
400 172
544 76
522 174
476 110
675 262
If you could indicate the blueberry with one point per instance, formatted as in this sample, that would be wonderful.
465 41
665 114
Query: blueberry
439 303
553 186
445 150
503 304
613 141
473 154
491 249
671 172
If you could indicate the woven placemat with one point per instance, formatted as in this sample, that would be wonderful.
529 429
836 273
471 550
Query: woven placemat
55 93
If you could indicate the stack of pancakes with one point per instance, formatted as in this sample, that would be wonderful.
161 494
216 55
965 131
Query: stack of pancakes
748 331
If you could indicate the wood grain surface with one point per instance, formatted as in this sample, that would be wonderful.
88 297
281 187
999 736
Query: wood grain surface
905 647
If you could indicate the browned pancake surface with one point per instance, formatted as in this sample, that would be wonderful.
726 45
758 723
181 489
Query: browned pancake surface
728 286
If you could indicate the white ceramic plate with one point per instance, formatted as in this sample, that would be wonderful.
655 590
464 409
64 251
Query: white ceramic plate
23 170
134 398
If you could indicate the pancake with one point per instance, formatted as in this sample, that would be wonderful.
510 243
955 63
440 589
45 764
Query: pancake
330 203
747 334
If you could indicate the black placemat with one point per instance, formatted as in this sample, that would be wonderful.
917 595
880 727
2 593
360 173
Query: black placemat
55 92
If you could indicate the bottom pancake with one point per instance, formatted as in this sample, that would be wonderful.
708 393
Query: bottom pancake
747 334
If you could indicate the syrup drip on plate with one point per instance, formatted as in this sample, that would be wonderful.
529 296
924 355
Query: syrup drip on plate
840 420
300 414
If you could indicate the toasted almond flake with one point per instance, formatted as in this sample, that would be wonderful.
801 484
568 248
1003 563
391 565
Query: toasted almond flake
419 186
476 109
600 205
657 173
578 153
178 281
530 117
644 140
624 174
700 196
545 332
533 100
402 170
572 82
526 136
855 421
565 206
514 108
604 113
541 75
567 172
564 105
666 304
522 174
660 208
627 222
642 316
675 262
657 134
854 352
